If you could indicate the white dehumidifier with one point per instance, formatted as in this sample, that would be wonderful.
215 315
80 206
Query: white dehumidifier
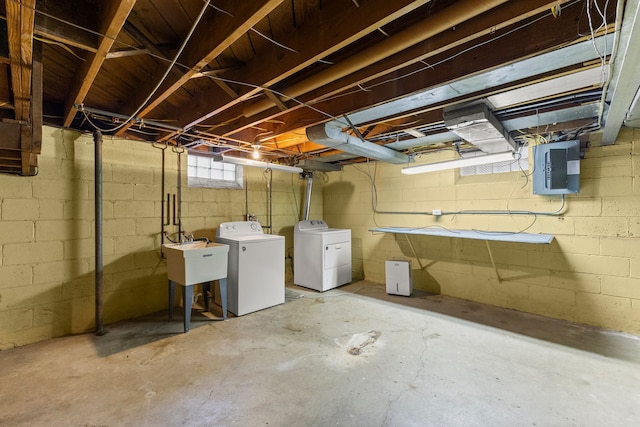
398 275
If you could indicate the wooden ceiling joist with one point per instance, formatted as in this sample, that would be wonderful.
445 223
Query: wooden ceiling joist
204 48
20 24
116 13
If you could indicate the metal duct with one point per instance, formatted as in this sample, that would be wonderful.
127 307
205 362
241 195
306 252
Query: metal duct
329 135
445 20
478 126
307 196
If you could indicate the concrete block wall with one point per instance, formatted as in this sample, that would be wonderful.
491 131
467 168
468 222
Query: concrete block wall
589 274
47 266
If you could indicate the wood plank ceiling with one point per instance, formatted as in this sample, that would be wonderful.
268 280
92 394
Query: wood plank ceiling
227 76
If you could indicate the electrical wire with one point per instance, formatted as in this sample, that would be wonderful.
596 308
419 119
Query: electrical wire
442 61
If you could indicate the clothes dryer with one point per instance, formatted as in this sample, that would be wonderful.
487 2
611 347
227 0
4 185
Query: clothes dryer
321 255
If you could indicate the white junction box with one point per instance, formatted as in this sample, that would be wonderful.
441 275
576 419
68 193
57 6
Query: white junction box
398 275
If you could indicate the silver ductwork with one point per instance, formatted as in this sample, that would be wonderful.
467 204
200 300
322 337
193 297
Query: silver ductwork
307 196
330 135
478 126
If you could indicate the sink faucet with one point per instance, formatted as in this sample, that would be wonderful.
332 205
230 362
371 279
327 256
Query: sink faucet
186 237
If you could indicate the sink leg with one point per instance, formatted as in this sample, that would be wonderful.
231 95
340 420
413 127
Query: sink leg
172 294
187 296
223 296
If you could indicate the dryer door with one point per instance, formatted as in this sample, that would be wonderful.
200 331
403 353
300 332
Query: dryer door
336 254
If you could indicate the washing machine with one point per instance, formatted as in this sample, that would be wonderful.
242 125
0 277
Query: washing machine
321 255
255 274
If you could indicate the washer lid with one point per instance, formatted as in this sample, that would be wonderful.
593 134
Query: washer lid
326 231
249 238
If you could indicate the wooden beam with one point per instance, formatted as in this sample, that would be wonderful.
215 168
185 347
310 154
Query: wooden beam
20 24
203 48
314 40
545 34
116 13
276 100
55 21
36 99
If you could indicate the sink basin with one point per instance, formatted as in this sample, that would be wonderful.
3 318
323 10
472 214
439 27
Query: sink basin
196 262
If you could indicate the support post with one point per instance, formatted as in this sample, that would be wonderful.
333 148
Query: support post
97 139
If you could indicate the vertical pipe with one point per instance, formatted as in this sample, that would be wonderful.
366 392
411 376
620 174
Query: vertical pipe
307 201
180 194
97 139
162 223
270 201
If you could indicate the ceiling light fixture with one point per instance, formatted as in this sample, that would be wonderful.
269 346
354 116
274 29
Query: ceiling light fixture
256 150
257 164
460 163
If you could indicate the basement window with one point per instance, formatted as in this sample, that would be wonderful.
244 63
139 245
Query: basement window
501 167
204 172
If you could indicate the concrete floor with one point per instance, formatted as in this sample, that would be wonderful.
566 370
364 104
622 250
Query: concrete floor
352 356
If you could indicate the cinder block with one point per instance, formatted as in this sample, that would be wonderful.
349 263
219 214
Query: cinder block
602 265
32 253
51 209
14 320
152 228
25 336
133 209
553 297
79 209
620 206
616 186
62 230
619 247
626 287
15 187
132 244
59 271
602 226
612 311
128 174
55 189
83 319
82 286
16 232
524 275
120 227
148 192
15 275
575 245
634 267
579 282
117 191
85 248
28 296
20 209
150 260
133 279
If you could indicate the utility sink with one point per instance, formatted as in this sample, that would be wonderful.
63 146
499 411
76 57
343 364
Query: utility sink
196 262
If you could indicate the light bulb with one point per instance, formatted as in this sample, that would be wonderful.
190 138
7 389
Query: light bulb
256 153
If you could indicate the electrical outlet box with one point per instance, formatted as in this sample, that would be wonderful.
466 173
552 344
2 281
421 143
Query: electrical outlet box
437 212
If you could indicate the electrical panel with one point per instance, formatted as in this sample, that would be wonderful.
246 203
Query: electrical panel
556 168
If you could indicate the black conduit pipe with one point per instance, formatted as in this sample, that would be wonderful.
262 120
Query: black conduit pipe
97 139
